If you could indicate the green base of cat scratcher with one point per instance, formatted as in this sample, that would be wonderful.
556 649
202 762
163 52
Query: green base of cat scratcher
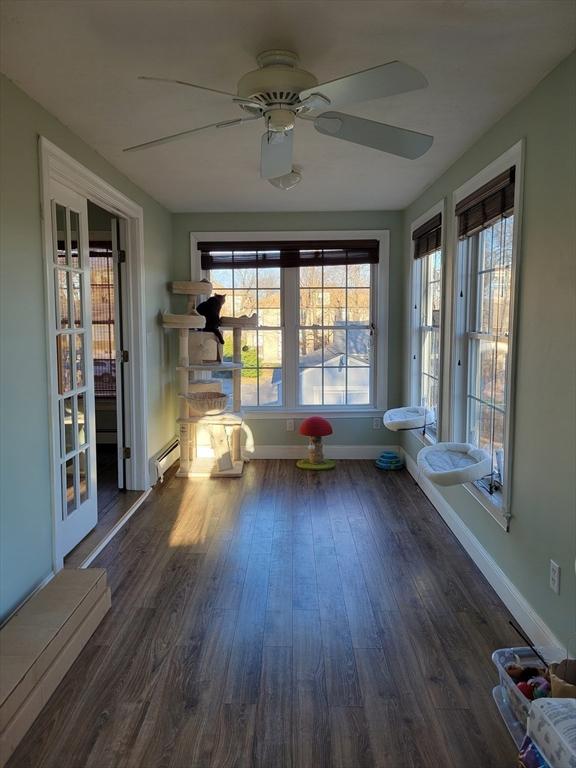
326 464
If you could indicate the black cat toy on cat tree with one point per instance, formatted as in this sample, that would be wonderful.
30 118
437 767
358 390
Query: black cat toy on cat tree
209 433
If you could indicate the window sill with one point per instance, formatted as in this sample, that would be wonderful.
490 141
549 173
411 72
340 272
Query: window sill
296 413
494 504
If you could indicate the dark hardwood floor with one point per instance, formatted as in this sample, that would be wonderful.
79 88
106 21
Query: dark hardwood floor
287 618
112 505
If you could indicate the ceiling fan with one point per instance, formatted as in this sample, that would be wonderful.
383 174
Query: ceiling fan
279 92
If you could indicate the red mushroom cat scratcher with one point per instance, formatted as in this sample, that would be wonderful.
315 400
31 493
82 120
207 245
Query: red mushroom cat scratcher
315 428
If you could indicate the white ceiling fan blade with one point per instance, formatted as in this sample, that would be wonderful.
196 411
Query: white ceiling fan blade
375 83
368 133
184 82
276 154
183 134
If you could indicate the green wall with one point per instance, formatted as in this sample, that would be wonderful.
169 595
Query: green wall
544 472
347 431
25 516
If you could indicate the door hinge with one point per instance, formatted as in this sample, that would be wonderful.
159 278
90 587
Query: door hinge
124 356
126 452
121 256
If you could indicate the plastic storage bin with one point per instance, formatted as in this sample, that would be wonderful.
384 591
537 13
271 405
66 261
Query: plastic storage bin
511 703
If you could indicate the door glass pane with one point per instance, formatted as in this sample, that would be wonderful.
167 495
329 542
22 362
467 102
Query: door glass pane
79 344
62 291
70 491
64 363
67 418
77 298
74 239
60 255
81 420
83 475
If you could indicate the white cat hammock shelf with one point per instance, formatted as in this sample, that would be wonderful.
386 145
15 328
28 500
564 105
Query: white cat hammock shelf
454 463
202 404
409 417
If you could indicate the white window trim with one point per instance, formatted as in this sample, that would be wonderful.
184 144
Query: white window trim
514 156
415 364
380 314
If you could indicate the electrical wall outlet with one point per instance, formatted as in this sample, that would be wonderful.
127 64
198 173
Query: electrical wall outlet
554 577
289 425
376 422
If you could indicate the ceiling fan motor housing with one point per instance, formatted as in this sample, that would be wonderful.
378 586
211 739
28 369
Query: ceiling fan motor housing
276 85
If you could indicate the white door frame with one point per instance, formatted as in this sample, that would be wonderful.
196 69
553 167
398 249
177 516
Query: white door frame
57 166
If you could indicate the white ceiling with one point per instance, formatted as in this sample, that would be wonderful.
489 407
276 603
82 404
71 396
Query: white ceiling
80 60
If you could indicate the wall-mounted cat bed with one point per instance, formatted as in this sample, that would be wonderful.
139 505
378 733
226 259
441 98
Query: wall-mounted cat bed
410 417
454 463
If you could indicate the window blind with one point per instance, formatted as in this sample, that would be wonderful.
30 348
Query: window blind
287 253
428 237
496 198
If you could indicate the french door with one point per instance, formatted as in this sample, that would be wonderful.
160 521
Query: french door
72 379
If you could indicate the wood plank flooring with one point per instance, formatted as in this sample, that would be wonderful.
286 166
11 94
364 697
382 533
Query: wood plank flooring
287 618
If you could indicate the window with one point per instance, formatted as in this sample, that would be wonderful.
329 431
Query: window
426 311
484 311
102 295
315 341
335 335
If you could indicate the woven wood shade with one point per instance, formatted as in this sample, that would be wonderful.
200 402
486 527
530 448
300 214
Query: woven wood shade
428 237
486 204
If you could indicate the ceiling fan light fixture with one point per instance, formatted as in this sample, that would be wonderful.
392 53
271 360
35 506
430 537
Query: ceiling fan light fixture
288 180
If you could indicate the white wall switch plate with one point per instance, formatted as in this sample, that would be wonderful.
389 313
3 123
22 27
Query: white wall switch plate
289 425
376 422
554 577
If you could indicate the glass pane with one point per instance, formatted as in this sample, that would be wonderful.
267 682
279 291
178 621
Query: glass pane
429 397
67 424
335 386
83 475
81 419
500 383
60 255
359 345
249 386
220 279
435 259
228 306
269 277
269 307
62 306
310 277
485 375
228 351
77 298
244 278
359 276
244 302
79 350
334 300
270 386
335 276
64 363
310 386
74 239
270 348
359 305
70 491
334 316
500 300
310 306
311 342
335 347
358 386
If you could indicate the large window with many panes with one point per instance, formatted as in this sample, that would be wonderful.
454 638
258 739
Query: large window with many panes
486 224
315 341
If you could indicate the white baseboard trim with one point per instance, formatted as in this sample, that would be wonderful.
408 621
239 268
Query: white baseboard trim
330 451
163 460
530 621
